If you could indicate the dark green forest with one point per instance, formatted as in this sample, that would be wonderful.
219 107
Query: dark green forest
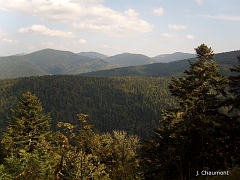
75 127
132 104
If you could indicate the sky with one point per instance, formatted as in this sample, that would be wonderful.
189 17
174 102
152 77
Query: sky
110 27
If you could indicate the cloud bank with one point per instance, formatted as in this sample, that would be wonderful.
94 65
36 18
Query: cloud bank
42 30
87 15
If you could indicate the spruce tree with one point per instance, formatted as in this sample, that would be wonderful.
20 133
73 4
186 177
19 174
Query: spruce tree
232 126
234 83
27 127
190 137
27 142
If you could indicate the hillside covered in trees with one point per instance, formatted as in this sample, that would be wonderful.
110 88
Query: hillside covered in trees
132 104
49 62
52 62
172 69
197 136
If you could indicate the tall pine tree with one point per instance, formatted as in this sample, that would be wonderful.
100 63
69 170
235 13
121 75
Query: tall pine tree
27 143
234 83
190 138
28 126
232 127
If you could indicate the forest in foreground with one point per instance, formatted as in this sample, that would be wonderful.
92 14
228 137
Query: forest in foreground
197 136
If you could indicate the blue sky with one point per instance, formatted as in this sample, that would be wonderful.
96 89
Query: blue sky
150 27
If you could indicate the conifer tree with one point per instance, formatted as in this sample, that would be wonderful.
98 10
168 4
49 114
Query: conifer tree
234 83
28 126
27 142
190 137
232 126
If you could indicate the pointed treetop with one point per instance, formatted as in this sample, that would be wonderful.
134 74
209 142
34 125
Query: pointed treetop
204 52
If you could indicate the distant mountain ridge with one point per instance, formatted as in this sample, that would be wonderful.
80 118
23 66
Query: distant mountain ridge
128 59
93 55
49 61
172 69
21 54
173 57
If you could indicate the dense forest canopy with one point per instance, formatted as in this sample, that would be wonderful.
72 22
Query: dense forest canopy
133 104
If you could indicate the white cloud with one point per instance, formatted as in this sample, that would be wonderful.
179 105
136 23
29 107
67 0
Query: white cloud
52 10
131 13
10 41
190 37
84 14
82 41
199 1
167 35
115 25
87 1
223 17
3 33
176 27
158 11
42 30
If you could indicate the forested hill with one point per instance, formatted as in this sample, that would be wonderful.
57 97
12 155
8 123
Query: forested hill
173 57
128 59
171 69
133 104
93 55
48 62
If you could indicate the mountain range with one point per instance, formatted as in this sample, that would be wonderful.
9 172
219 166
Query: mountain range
50 62
172 69
93 55
173 57
127 59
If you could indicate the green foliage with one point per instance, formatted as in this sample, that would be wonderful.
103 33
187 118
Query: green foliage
80 160
27 125
132 104
93 55
127 59
35 165
97 156
27 142
124 163
193 136
32 152
234 83
232 126
173 57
